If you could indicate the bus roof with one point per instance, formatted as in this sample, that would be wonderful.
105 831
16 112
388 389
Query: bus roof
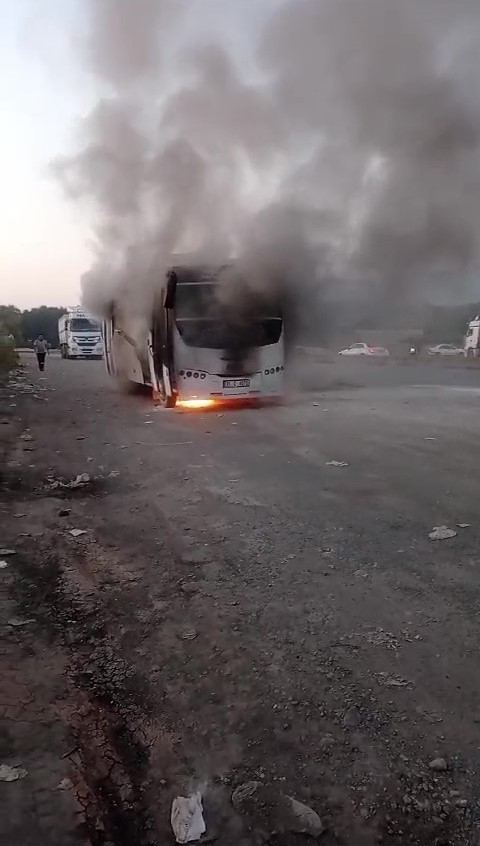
198 274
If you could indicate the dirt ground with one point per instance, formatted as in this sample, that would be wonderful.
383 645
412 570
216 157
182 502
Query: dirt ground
238 608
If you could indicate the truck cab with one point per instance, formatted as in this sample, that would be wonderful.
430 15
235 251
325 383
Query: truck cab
79 335
472 339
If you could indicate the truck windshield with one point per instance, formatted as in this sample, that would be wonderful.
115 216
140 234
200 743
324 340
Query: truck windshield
203 321
83 324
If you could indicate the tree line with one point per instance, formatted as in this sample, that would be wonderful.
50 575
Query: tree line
449 323
435 324
440 323
26 325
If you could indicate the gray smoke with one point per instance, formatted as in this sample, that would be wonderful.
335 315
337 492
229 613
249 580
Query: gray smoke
389 90
349 151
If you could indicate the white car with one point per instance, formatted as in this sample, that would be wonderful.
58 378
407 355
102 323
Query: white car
365 349
445 349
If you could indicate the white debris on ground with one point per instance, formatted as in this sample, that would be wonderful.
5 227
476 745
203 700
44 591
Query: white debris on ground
65 784
188 634
186 818
6 552
336 463
16 622
390 680
79 481
442 533
76 533
11 773
3 564
18 382
463 525
380 637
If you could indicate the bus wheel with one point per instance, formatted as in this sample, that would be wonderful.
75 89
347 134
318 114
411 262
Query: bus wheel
170 402
162 399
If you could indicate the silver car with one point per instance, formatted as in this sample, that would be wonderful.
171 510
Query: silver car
445 349
365 349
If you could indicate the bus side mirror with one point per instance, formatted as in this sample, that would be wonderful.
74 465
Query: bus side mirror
169 301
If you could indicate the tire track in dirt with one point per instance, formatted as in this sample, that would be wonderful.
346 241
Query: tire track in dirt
104 703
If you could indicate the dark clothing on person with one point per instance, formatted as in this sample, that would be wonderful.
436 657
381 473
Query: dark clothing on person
41 348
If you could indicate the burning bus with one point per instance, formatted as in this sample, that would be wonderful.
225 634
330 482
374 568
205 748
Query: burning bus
209 338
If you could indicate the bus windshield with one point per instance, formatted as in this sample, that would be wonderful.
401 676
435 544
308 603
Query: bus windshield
203 321
194 300
83 324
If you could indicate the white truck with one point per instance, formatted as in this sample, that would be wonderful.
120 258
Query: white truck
79 334
471 347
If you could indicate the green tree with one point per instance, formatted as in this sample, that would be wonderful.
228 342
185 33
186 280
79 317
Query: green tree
11 322
449 323
41 321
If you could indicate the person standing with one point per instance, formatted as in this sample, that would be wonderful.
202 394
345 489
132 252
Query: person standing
41 348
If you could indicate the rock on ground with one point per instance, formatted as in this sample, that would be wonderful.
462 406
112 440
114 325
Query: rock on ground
272 811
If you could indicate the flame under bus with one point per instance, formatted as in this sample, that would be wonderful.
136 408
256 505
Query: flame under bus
203 343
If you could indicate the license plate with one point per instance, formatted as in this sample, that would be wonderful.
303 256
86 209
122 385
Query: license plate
236 383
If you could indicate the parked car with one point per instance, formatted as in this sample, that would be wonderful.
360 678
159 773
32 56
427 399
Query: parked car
365 349
445 349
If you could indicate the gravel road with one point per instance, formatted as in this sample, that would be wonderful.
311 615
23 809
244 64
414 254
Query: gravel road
241 608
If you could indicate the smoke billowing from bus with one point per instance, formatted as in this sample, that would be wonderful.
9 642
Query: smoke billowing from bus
344 146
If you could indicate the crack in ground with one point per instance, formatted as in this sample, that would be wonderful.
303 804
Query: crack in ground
106 700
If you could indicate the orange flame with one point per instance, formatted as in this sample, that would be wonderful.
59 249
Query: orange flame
196 403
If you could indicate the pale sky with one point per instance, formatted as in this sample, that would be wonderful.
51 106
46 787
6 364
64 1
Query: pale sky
42 240
44 93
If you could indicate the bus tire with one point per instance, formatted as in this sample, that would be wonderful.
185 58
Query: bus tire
162 399
170 401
